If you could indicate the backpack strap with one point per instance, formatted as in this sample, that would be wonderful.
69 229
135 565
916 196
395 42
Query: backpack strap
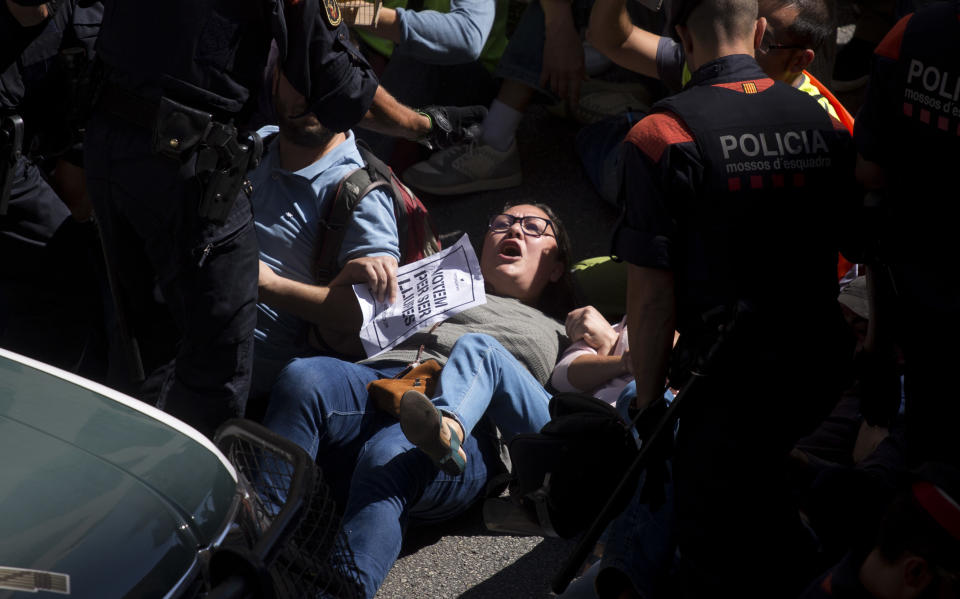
333 227
380 171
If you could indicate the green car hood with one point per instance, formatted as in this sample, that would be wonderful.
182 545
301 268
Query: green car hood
100 488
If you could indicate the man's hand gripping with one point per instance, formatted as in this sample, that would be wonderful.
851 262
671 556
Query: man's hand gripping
378 272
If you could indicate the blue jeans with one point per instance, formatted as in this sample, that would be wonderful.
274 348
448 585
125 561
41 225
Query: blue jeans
598 145
379 477
482 377
639 544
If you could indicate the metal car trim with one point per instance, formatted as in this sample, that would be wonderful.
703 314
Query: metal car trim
177 589
232 513
128 401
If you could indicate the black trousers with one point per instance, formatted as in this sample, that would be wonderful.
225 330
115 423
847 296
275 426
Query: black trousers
739 530
206 272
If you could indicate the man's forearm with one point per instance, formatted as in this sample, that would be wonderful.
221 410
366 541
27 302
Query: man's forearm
390 117
331 308
556 9
651 320
612 33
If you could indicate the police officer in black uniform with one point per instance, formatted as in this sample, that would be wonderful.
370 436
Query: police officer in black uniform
166 162
50 301
908 139
730 189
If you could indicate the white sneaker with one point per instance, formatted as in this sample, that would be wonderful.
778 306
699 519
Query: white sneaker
466 168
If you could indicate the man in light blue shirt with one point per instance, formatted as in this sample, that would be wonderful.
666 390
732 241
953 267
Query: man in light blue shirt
293 186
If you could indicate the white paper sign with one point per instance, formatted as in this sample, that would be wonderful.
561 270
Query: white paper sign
431 290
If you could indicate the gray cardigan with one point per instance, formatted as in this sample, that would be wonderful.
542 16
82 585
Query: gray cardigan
527 333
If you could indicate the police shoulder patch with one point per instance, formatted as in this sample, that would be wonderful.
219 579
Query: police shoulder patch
334 16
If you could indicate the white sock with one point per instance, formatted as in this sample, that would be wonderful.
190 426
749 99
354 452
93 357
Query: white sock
500 125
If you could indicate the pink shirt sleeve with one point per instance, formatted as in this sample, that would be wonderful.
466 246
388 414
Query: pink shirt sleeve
559 379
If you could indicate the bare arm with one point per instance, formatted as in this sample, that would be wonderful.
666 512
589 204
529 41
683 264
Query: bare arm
651 320
390 117
332 307
563 62
589 371
612 33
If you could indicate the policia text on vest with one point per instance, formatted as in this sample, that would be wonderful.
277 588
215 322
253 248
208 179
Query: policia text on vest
945 86
780 146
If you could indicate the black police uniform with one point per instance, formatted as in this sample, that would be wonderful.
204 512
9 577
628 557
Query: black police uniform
734 185
49 293
151 160
910 125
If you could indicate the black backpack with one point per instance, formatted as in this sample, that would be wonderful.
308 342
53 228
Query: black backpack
564 475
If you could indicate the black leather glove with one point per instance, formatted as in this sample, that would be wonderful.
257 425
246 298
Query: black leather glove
451 125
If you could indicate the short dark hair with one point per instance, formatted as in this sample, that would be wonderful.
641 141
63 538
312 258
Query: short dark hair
732 19
815 23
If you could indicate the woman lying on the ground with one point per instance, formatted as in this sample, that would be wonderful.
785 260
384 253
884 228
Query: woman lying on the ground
481 379
375 473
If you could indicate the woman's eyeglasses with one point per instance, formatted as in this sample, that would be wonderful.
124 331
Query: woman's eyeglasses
531 225
768 45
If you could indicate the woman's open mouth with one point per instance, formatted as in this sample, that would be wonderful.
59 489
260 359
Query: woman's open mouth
510 250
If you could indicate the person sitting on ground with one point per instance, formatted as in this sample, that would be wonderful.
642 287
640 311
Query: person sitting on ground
322 403
545 54
796 29
293 187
